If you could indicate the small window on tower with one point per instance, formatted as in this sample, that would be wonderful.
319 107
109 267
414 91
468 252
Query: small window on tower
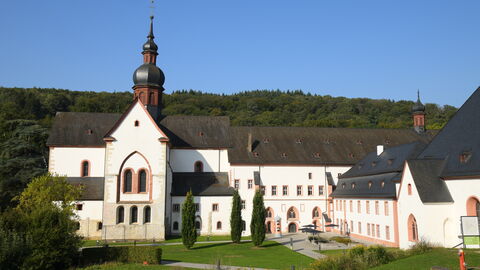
137 123
89 131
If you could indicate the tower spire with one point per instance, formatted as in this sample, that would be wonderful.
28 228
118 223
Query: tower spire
418 111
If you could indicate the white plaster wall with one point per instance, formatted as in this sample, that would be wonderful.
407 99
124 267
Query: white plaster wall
430 217
208 217
143 140
135 162
90 209
214 160
67 160
381 219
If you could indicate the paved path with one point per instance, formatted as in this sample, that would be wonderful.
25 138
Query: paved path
206 266
300 245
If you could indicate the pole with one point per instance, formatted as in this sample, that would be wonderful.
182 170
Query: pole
461 257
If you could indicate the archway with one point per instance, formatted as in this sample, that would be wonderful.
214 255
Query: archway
292 227
473 207
412 229
292 213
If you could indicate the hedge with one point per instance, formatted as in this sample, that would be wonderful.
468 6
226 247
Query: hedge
123 254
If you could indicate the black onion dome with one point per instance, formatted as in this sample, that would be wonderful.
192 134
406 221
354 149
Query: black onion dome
148 75
150 46
418 106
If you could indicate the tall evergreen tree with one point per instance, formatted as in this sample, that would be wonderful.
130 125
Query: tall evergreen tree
189 233
236 218
257 226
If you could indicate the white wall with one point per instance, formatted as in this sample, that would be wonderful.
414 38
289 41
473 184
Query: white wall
208 217
68 160
214 160
430 217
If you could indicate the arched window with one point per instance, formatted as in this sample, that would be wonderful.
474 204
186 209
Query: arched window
175 226
291 214
137 123
412 229
269 213
133 214
244 225
316 213
142 181
409 189
127 181
77 225
219 225
99 226
120 214
147 212
198 166
198 225
85 168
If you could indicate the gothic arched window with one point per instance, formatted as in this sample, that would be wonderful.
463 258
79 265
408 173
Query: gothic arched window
142 181
134 214
127 181
85 168
120 214
147 213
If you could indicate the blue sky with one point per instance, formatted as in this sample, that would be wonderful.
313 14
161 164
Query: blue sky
376 49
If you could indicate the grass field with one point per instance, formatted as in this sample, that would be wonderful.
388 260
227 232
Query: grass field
111 266
270 255
178 239
436 257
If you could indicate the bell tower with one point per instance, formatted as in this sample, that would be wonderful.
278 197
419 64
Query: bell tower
148 79
418 113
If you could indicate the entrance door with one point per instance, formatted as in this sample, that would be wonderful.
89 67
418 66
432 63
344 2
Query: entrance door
269 227
292 228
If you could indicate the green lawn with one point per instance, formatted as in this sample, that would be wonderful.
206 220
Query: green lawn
270 255
437 257
174 239
112 266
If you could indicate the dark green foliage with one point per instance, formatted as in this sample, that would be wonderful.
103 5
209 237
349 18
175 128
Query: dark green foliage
189 233
236 218
342 240
257 226
126 254
42 235
23 156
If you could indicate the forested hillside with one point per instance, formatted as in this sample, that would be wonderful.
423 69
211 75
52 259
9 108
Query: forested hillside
27 114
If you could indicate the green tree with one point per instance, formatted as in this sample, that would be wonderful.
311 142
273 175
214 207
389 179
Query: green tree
236 218
42 228
189 233
257 226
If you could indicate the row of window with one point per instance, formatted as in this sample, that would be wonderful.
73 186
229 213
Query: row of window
373 230
147 214
293 213
140 181
341 205
198 225
215 207
310 190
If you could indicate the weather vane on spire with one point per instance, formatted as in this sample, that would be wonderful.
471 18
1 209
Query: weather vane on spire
152 8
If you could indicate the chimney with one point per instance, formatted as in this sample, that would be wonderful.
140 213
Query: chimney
249 143
379 150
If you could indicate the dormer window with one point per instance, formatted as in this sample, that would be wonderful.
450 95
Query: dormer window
360 166
351 155
326 141
353 185
255 154
465 157
89 132
298 141
266 140
359 142
343 185
284 155
374 163
382 184
370 184
316 155
201 134
387 141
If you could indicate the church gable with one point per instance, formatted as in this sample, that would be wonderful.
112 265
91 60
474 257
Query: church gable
136 124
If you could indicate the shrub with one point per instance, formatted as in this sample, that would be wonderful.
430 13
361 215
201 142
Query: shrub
320 239
342 240
124 254
189 233
377 255
421 247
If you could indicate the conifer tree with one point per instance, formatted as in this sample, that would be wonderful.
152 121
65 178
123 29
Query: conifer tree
257 226
189 233
236 218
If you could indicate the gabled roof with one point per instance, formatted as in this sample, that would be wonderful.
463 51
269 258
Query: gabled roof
426 175
390 160
372 186
201 184
303 145
460 136
92 187
197 131
80 128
